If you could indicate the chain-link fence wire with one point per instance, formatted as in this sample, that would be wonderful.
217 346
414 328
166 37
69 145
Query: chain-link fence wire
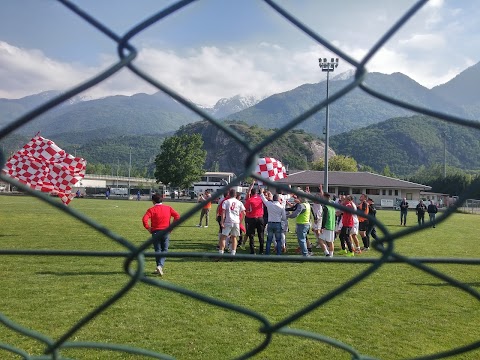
471 206
386 245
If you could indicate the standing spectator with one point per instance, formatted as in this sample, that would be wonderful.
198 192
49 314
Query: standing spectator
363 222
254 219
276 215
206 208
420 211
156 219
232 210
403 212
371 229
302 215
432 212
139 195
107 193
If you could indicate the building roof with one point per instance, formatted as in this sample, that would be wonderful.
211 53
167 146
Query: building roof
350 179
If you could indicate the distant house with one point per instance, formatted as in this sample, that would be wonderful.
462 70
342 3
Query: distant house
383 190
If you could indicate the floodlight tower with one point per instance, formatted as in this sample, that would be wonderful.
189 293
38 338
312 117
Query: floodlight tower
327 66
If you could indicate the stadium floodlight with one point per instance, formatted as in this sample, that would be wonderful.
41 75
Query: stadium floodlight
327 67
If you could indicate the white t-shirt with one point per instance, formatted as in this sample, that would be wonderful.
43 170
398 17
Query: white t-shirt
232 208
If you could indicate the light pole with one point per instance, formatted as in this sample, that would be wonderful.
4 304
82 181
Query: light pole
444 154
129 171
327 66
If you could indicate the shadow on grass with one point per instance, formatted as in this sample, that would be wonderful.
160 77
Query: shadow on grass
79 273
446 284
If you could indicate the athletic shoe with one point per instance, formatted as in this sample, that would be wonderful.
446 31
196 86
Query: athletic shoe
350 254
199 225
365 249
159 270
343 252
310 253
358 251
205 226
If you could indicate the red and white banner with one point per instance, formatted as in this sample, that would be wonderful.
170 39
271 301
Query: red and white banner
43 166
270 168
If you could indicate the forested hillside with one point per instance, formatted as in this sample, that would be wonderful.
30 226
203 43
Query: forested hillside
404 144
295 150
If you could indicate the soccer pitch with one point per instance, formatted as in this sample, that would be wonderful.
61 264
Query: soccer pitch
397 312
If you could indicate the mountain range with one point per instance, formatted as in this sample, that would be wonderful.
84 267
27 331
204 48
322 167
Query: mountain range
83 123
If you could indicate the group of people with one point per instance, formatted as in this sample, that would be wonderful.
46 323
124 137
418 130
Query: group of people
420 211
267 213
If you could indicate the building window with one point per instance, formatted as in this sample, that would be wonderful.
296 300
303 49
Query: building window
373 192
396 192
331 190
390 192
343 190
356 191
409 196
384 192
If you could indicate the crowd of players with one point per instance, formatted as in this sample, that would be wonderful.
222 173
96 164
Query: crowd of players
267 214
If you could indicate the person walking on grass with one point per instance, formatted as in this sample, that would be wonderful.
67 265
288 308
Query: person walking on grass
156 219
432 212
420 211
403 212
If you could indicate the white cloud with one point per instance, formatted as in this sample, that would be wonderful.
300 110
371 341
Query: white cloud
423 42
206 74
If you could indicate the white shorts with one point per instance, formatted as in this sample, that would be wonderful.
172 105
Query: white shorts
328 235
231 229
317 225
354 229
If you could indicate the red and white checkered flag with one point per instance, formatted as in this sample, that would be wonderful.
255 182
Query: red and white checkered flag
270 168
43 166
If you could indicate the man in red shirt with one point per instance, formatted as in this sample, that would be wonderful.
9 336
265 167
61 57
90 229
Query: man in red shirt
347 225
254 218
156 219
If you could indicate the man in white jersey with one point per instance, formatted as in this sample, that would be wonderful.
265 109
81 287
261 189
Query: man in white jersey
230 222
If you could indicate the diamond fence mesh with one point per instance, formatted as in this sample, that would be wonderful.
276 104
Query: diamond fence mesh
137 254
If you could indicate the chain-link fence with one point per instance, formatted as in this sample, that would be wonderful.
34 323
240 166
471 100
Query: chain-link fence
386 245
470 206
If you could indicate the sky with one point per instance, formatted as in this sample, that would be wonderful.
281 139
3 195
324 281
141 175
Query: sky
213 49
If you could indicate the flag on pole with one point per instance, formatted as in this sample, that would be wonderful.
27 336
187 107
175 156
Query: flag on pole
44 166
270 168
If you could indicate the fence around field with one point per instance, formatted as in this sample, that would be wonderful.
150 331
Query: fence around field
470 206
127 54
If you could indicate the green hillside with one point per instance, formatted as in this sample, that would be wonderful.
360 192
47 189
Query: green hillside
406 143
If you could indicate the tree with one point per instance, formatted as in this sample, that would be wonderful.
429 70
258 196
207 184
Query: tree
180 161
387 172
342 163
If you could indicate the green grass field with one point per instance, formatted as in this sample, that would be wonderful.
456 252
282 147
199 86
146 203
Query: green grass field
398 312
